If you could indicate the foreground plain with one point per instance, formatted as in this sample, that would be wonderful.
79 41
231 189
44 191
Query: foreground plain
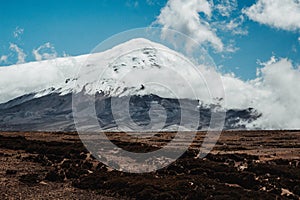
242 165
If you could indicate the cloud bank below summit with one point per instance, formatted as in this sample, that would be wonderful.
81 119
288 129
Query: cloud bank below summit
274 93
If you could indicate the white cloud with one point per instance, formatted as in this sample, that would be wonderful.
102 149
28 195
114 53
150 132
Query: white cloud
3 58
226 7
17 80
234 26
282 14
44 52
183 16
280 78
18 32
20 53
231 48
274 93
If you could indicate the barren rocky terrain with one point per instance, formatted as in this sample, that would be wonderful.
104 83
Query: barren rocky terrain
242 165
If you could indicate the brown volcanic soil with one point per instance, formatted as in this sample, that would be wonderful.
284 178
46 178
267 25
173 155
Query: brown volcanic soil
243 165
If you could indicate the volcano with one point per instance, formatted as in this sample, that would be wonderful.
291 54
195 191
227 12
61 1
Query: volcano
41 98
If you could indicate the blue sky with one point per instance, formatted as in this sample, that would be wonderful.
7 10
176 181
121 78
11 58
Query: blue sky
75 27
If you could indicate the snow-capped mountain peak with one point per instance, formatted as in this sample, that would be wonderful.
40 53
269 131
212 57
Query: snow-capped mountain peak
133 67
141 67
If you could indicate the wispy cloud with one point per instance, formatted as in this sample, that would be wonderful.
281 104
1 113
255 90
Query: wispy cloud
3 58
132 3
20 53
151 2
155 2
282 14
226 7
233 26
231 47
18 32
44 52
